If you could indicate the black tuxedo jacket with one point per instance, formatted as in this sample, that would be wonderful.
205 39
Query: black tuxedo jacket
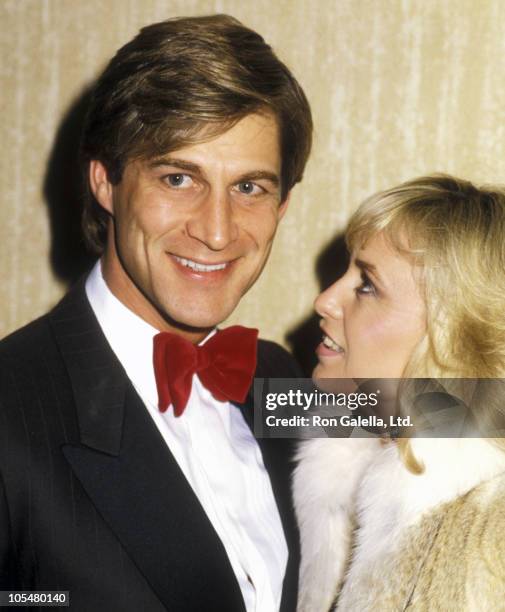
91 499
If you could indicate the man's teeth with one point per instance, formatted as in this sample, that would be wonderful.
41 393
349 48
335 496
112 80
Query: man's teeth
199 267
329 343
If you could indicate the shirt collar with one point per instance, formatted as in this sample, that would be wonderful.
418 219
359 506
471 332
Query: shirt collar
130 337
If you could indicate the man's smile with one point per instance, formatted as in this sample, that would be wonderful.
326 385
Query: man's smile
187 240
203 271
201 267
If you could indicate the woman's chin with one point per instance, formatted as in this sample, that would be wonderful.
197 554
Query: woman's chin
323 371
332 379
329 368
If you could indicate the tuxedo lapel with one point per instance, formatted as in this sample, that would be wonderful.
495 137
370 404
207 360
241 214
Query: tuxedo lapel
97 378
133 479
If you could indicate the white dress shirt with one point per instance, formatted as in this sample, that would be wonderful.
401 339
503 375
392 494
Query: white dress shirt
215 450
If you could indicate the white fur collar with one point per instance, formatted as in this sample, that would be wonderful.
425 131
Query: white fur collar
343 483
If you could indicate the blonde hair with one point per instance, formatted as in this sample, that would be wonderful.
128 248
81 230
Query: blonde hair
455 232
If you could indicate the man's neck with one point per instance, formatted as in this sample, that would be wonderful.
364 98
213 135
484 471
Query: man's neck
128 294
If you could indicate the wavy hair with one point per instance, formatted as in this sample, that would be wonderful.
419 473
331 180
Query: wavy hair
455 232
183 81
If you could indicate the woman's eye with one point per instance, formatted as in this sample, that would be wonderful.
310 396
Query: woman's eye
179 180
366 287
249 188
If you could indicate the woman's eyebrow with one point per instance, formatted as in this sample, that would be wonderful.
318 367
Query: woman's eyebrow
366 266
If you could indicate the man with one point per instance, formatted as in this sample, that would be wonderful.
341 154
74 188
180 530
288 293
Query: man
130 489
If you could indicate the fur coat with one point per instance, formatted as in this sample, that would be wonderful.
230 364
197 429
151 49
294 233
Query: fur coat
375 536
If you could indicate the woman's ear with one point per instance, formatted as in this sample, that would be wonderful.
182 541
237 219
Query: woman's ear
100 185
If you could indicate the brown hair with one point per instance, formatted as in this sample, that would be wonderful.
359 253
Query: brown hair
177 78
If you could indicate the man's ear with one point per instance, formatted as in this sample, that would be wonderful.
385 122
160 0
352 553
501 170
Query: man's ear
283 206
100 185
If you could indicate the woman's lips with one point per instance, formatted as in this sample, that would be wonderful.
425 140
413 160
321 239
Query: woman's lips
324 351
329 347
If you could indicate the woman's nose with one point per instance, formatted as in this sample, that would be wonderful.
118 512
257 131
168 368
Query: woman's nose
328 304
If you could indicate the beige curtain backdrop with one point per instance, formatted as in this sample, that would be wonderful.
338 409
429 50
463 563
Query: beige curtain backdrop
398 89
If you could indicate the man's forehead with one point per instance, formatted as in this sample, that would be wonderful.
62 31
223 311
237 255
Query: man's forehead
254 137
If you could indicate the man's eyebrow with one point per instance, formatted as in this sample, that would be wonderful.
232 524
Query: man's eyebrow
178 163
258 175
366 266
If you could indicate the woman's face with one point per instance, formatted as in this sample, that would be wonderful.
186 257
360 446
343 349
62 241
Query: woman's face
372 317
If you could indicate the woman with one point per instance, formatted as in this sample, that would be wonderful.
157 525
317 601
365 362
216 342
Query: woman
416 524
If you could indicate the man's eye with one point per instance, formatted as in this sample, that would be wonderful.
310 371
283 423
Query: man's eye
366 287
179 180
249 188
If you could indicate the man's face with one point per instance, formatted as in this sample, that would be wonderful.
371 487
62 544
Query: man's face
192 230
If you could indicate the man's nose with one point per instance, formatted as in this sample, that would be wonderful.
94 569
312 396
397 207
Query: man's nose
214 222
329 303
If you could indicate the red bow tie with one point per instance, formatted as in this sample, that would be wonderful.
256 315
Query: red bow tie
225 365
